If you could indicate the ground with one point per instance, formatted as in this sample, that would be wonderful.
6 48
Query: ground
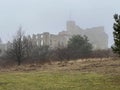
85 74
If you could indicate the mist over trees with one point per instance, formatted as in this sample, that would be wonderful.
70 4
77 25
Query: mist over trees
18 47
23 50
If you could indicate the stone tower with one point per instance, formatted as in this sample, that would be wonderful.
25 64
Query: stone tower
70 26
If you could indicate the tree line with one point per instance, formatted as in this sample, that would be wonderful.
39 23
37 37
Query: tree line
22 49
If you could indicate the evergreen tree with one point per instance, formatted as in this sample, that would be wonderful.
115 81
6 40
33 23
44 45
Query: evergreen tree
79 46
116 34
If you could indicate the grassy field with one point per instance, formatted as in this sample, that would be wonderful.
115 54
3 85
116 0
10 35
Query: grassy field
87 77
58 81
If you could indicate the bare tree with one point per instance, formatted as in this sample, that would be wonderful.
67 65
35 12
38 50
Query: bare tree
28 47
17 49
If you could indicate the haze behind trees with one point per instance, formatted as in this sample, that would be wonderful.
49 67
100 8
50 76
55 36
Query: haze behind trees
21 48
38 16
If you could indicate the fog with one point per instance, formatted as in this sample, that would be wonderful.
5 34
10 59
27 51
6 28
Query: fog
36 16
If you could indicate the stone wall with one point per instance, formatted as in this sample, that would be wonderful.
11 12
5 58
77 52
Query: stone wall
96 36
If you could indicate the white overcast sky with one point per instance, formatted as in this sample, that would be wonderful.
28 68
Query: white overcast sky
38 16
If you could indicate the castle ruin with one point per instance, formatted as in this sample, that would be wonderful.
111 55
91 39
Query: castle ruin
96 36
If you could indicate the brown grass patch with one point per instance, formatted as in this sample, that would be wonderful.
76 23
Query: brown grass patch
98 65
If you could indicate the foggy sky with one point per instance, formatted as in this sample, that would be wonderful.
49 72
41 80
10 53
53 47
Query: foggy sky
37 16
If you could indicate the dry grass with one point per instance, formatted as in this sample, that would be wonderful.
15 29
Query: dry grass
85 74
97 65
